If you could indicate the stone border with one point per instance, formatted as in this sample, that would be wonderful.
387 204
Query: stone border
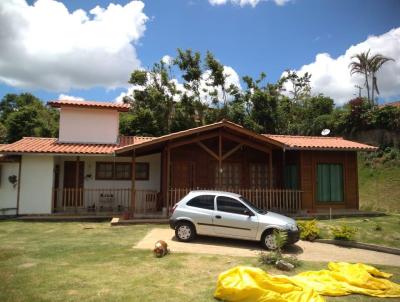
360 245
117 221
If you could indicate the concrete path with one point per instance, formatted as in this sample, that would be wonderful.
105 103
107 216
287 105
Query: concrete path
303 250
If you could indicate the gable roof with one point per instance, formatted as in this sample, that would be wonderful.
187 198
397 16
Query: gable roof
89 104
222 124
293 142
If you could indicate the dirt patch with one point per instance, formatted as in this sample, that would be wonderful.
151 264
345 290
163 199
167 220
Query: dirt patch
304 250
27 265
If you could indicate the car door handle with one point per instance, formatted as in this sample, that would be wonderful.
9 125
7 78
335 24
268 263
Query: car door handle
218 217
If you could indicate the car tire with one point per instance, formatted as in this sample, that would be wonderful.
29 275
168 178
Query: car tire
185 231
268 240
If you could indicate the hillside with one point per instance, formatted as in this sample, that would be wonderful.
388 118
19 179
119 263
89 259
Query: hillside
379 182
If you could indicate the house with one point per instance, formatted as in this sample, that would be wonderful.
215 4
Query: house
91 168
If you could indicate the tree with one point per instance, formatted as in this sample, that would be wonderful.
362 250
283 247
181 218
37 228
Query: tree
25 115
360 65
375 63
300 85
3 133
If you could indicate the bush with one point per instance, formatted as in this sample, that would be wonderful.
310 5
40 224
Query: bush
343 232
273 257
309 230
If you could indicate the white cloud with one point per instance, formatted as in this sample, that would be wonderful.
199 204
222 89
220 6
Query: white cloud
167 60
242 3
331 76
229 72
70 97
47 47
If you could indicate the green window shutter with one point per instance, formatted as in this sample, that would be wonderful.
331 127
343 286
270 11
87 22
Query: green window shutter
329 183
291 177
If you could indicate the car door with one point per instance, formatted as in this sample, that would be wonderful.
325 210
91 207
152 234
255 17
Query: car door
201 210
230 219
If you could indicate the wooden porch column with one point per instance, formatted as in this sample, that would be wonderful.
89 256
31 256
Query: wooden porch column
219 160
133 178
168 175
270 170
76 182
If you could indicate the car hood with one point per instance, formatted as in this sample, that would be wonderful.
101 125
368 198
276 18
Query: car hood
276 219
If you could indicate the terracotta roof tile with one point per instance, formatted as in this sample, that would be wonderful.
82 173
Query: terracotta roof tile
90 104
51 145
319 142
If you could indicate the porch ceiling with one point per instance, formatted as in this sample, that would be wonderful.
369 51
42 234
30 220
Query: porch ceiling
229 130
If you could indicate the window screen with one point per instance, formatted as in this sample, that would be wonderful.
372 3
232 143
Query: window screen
203 202
291 177
230 205
329 183
258 175
104 171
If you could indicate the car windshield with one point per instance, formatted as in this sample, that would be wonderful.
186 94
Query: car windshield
252 206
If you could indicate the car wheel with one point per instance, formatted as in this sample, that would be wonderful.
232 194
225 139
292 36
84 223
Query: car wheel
185 232
268 241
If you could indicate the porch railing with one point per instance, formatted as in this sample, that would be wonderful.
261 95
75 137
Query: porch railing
104 200
279 200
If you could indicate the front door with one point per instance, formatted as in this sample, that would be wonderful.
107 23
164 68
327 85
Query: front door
230 220
182 174
73 187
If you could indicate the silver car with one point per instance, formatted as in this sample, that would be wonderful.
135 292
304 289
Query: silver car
224 214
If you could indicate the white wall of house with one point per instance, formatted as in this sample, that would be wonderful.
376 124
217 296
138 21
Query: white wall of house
36 184
83 125
8 191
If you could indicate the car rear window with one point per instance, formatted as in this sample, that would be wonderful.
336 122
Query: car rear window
203 202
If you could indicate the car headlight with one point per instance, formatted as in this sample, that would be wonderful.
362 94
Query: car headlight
292 227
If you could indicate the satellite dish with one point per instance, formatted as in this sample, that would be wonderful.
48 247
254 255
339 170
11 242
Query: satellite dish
325 132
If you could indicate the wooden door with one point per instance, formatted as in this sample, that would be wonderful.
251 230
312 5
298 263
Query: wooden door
73 192
182 174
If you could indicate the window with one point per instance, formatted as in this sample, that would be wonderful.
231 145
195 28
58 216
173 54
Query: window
121 171
230 176
258 175
142 171
329 183
203 202
104 171
230 205
291 177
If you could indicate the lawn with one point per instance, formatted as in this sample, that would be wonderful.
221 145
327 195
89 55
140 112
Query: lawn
96 262
379 187
383 230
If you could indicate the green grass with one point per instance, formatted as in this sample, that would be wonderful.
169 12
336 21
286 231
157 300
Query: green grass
387 234
96 262
379 187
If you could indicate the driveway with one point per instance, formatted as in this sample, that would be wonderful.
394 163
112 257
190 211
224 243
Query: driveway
304 250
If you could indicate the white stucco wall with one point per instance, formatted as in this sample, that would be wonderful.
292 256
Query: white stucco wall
36 184
88 125
8 193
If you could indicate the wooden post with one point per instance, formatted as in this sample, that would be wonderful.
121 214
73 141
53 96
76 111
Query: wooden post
219 160
133 187
76 181
284 168
270 170
168 175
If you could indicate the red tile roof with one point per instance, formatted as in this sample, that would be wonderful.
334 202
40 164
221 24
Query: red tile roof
319 143
90 104
394 104
51 145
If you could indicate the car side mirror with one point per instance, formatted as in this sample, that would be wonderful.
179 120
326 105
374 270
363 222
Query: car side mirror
248 213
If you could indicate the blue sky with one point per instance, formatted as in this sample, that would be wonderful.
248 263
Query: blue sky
267 37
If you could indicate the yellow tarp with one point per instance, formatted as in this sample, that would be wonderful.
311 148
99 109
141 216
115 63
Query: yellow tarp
250 284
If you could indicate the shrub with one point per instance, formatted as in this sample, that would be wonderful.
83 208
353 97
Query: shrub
343 232
378 227
309 230
273 257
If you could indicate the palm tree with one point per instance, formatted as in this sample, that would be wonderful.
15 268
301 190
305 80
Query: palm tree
361 66
375 63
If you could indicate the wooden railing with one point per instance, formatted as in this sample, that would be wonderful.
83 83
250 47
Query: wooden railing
104 200
279 200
